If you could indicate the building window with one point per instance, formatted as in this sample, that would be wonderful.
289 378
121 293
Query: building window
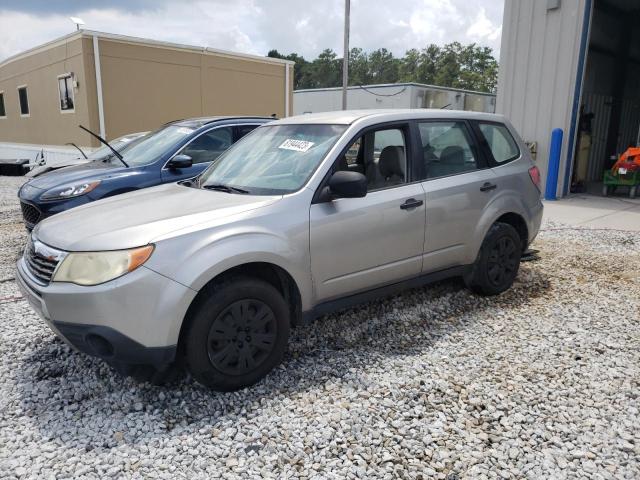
24 100
65 88
3 112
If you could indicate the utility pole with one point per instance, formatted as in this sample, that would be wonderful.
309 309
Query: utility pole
345 59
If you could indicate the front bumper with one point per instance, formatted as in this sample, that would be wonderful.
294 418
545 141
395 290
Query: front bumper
132 320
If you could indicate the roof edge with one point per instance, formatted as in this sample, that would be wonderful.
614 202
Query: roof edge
42 48
390 85
140 41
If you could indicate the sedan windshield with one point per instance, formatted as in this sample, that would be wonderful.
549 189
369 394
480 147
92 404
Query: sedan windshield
154 145
273 160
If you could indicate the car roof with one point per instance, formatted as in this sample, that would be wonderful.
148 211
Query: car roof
347 117
202 121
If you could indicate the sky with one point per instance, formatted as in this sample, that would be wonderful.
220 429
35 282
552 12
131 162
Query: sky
254 26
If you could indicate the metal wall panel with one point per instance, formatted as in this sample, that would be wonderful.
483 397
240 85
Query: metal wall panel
539 59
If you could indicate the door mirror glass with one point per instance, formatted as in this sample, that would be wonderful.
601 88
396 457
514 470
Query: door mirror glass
348 185
180 161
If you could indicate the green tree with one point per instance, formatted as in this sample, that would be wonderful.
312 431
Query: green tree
454 65
383 67
326 69
359 67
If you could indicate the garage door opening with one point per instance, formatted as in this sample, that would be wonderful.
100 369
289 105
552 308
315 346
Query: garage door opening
609 120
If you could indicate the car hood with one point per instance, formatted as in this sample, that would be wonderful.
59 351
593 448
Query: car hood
42 169
97 170
137 218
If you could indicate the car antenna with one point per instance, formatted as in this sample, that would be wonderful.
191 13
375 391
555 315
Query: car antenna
446 106
107 144
79 149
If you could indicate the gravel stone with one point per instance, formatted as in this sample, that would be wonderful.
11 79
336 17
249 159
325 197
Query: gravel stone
540 382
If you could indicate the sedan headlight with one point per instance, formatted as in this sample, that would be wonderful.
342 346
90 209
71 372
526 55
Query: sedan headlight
92 268
69 191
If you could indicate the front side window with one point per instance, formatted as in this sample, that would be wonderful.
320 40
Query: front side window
3 112
210 145
380 155
151 147
242 130
275 160
446 149
65 89
501 143
24 101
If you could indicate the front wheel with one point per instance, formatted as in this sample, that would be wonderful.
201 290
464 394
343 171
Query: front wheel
633 191
498 262
237 335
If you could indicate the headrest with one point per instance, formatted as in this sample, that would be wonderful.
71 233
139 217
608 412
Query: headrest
392 161
452 155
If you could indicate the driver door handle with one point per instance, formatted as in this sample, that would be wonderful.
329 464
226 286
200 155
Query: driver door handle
411 203
488 186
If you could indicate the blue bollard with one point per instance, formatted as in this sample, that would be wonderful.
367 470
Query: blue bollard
554 165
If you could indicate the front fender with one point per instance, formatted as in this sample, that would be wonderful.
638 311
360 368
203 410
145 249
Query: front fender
196 259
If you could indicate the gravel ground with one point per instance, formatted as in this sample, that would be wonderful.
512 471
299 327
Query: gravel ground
540 382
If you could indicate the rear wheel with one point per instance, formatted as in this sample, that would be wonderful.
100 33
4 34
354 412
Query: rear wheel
605 190
633 191
498 262
237 335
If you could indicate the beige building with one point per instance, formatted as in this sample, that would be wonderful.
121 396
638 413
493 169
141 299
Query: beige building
115 85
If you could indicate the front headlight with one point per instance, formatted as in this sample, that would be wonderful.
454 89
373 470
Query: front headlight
92 268
69 191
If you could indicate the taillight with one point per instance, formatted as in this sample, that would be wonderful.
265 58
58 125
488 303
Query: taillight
534 173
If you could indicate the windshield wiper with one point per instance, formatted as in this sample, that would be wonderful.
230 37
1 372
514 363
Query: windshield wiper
115 152
78 148
225 188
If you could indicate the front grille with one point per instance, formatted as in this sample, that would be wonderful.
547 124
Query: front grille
41 266
30 214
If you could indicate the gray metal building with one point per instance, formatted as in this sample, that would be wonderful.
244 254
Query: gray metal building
573 65
393 95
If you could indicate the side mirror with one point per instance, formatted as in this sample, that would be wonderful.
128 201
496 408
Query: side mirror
180 161
344 184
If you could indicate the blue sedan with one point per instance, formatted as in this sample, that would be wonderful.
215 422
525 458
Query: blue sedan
177 151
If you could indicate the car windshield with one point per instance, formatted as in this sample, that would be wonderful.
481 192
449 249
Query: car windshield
119 145
273 160
154 145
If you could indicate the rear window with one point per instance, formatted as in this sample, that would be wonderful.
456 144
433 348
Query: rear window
501 143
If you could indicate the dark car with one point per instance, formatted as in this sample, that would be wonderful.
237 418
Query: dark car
177 151
100 155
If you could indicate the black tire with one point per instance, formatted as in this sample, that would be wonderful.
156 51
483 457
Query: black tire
498 262
237 334
633 191
605 190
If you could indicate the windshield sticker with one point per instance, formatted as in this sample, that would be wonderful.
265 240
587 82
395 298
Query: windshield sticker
296 145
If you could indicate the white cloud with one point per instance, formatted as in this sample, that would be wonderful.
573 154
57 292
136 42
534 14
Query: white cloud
254 26
483 30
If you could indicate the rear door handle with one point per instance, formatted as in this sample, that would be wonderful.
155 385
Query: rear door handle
488 186
411 203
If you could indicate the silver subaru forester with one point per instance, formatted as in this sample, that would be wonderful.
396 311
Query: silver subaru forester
304 216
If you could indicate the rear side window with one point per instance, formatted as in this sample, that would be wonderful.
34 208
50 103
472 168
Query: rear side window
446 149
501 143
